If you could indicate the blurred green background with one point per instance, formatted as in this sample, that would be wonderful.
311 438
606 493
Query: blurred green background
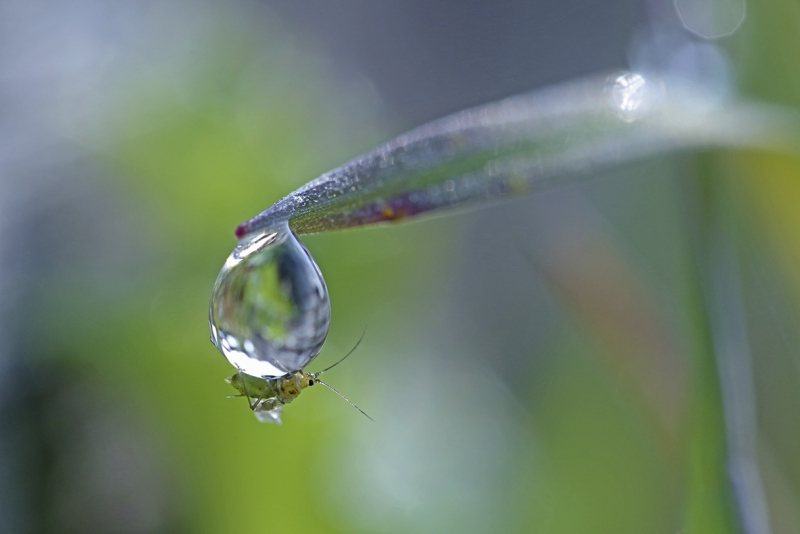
548 365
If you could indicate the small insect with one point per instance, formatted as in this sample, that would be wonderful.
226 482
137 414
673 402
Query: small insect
267 395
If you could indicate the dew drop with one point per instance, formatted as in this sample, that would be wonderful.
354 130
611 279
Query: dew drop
633 96
269 312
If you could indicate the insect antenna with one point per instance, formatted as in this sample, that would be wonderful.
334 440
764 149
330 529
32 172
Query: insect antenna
351 403
345 357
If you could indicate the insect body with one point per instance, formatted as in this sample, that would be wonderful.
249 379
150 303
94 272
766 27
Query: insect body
268 394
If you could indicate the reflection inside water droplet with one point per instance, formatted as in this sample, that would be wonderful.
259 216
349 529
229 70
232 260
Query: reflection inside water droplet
269 312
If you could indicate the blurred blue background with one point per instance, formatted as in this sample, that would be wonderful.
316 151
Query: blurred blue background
554 364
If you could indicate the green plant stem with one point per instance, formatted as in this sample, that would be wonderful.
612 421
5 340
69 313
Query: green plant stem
724 486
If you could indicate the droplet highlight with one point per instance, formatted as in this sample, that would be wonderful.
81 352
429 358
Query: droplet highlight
634 96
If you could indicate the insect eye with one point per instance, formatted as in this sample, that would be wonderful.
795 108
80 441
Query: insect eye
310 382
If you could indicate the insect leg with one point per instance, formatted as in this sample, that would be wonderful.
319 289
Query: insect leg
244 387
264 393
278 391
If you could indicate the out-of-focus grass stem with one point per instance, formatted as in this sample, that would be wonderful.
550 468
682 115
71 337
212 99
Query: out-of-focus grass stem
725 491
734 363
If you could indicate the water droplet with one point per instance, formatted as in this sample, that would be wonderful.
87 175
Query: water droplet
271 416
633 96
628 94
269 312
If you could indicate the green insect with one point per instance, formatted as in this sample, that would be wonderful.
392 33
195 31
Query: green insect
266 396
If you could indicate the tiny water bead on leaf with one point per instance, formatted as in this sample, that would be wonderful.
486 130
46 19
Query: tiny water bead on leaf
269 312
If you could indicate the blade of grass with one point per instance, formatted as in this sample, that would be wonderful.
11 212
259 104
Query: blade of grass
725 489
523 144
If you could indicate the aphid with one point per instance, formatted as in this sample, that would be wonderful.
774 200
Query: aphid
267 395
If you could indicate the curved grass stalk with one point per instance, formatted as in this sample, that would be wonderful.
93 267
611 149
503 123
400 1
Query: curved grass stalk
522 144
